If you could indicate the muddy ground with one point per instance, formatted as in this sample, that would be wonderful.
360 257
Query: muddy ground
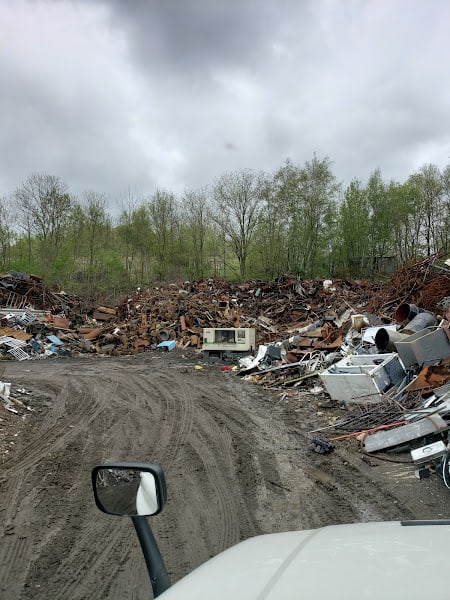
237 461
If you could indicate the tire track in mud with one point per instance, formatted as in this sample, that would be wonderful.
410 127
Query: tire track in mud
344 490
172 433
165 441
17 480
53 437
91 577
214 498
171 437
87 552
104 569
212 458
175 421
257 438
304 489
235 463
123 437
183 430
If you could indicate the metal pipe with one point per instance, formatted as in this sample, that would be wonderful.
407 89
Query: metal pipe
289 342
386 338
420 321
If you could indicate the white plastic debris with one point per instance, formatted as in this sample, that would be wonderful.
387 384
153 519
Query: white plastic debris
5 389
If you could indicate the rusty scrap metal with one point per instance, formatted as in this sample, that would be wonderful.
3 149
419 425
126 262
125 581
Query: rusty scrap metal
419 282
280 310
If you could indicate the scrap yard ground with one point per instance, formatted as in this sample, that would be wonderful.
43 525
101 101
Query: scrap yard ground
237 460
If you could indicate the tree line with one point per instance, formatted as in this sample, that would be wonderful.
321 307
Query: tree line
247 225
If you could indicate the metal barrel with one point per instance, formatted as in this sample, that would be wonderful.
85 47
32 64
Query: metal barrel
406 312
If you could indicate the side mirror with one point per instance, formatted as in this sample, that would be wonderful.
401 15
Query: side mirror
129 489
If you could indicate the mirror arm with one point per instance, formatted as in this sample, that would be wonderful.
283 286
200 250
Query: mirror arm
153 559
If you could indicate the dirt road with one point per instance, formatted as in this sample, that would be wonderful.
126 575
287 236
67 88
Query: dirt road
236 459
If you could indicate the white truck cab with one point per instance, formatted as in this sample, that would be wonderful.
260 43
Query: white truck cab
340 562
388 560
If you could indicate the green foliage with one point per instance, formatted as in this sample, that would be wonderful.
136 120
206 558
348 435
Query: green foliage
22 260
196 231
407 220
44 207
7 235
428 184
248 225
162 211
300 213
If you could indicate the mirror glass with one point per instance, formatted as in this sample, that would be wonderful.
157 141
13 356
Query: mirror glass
126 492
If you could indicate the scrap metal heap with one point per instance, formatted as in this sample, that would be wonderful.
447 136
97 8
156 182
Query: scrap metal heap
423 283
381 352
22 291
179 311
316 313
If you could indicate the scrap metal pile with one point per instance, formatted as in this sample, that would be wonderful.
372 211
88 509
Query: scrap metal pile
388 367
328 335
380 351
179 312
396 401
423 283
40 322
20 291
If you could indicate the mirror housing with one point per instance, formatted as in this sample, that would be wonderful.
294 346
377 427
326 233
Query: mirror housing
129 489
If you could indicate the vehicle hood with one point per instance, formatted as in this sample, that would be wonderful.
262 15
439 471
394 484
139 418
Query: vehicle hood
361 561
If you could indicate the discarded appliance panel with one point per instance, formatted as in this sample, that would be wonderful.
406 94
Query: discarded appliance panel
380 440
362 377
227 343
428 453
425 347
405 348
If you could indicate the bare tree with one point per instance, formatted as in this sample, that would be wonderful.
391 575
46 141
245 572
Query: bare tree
445 225
132 205
271 230
163 212
96 220
196 213
429 186
318 189
6 233
237 203
44 211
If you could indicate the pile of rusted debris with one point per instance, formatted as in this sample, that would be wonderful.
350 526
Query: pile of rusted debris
37 322
380 351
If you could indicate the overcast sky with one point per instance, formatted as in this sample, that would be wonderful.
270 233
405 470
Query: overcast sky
112 95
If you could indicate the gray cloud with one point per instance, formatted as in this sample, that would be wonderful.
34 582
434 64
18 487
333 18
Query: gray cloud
110 94
197 37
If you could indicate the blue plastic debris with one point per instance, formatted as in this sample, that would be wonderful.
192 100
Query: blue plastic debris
167 345
34 344
55 340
